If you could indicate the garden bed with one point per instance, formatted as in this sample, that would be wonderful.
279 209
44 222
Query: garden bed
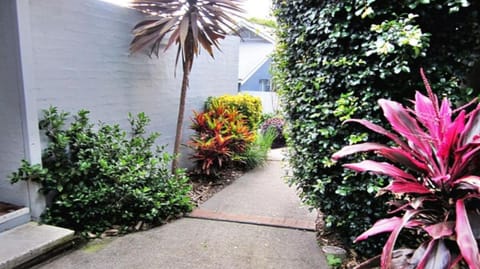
203 188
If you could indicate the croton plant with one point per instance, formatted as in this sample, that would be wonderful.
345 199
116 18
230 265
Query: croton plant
221 133
435 180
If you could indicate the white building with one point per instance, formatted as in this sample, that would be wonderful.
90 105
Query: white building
255 58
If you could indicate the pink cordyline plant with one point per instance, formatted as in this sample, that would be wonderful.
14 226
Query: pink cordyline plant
435 169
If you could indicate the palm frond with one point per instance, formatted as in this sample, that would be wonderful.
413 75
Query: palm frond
191 24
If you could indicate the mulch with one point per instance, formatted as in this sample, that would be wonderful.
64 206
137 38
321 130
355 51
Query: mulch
204 187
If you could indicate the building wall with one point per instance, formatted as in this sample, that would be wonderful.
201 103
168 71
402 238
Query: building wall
11 133
81 61
253 83
270 100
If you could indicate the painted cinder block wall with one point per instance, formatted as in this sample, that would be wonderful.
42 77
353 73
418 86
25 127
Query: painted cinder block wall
74 55
81 61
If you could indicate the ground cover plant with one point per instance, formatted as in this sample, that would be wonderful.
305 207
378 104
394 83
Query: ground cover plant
99 176
334 60
434 167
257 152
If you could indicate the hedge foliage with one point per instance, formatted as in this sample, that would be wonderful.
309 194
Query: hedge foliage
335 59
250 106
98 177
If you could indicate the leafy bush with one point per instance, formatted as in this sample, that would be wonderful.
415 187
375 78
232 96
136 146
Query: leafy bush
98 176
276 124
435 179
256 153
220 135
250 106
334 59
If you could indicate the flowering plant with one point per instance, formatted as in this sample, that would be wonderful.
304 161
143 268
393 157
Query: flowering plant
435 179
277 125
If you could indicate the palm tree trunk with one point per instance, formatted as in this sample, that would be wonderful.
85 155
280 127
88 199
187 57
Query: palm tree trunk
181 113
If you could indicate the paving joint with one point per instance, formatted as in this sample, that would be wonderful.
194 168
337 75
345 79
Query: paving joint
288 223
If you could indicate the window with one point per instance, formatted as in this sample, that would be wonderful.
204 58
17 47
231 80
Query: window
265 85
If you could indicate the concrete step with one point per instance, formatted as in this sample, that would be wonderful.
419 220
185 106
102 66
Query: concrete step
14 219
25 243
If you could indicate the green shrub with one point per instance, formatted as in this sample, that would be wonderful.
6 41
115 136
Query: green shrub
334 59
256 153
250 106
220 135
98 176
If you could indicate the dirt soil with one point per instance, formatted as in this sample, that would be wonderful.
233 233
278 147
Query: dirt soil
205 187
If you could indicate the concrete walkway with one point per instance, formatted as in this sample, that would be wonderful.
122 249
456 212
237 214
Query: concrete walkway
256 222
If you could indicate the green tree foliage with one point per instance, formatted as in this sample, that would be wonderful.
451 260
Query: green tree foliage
335 59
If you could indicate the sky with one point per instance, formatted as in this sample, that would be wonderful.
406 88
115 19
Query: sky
258 8
254 8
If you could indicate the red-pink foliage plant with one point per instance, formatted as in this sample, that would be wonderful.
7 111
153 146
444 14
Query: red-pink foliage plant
434 169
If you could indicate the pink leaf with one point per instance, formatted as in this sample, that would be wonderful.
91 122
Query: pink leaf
382 131
348 150
439 230
380 168
406 125
437 256
403 186
402 157
381 226
472 127
426 114
386 258
451 136
471 183
465 238
445 111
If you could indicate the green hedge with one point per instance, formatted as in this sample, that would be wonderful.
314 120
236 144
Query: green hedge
335 59
98 177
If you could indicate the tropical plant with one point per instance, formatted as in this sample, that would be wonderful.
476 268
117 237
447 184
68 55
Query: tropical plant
256 153
334 59
191 24
435 179
250 106
220 134
97 177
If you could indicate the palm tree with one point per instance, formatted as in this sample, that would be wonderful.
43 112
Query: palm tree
191 24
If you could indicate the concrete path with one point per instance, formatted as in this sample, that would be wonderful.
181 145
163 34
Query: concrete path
257 222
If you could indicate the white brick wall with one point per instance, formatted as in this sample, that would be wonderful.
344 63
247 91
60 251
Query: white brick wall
81 60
